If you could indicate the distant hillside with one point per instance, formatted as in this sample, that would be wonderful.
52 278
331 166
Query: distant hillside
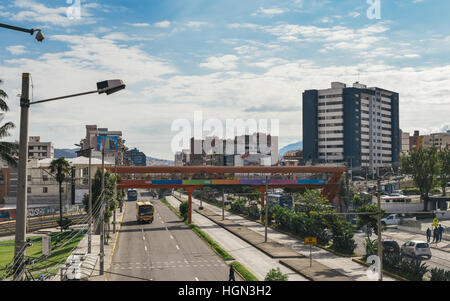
290 147
66 153
157 162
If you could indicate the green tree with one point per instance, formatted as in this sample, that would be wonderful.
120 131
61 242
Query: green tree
110 195
8 150
184 208
311 200
369 220
423 166
444 168
61 168
276 275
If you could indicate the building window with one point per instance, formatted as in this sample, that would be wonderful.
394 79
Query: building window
28 189
62 189
44 189
29 178
45 177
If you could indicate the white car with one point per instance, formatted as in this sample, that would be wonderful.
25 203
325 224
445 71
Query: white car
416 248
393 219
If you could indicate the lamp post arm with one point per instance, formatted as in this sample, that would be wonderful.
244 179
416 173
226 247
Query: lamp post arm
64 97
30 31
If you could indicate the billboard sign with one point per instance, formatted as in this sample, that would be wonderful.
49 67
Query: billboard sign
108 143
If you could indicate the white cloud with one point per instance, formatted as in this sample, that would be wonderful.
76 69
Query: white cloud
138 24
196 24
270 12
226 62
162 24
15 50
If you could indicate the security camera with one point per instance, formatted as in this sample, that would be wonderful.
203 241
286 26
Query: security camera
40 36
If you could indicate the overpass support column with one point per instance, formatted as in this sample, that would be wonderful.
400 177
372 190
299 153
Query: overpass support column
190 190
262 191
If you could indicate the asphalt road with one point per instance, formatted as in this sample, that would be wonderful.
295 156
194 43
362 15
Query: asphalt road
166 250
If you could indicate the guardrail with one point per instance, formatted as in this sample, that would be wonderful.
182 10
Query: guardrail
8 228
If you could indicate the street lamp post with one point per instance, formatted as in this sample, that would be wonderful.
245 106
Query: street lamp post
267 210
90 200
102 216
380 245
39 36
107 87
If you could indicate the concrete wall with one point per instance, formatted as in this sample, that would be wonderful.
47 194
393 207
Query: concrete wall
402 207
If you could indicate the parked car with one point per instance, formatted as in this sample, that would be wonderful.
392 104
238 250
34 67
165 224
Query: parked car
392 219
416 248
390 246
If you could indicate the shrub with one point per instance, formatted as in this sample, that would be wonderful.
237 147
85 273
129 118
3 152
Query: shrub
413 270
184 208
237 206
411 191
439 275
276 275
253 212
65 223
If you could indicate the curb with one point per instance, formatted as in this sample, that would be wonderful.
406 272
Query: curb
117 238
384 271
296 271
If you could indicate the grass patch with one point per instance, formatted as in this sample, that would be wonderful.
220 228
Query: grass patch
243 272
61 243
221 252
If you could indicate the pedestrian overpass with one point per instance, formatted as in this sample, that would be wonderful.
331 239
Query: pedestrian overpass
191 178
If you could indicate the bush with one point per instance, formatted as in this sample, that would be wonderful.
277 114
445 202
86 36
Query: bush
246 274
253 212
439 275
276 275
65 223
184 208
411 191
413 270
238 206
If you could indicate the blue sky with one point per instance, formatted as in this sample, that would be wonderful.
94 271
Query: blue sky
228 59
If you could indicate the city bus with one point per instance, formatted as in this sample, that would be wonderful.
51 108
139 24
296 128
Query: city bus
132 195
284 200
144 212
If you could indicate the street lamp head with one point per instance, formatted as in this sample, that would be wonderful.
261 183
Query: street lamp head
110 86
39 36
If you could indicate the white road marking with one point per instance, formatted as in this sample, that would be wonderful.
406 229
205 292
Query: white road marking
196 279
145 247
171 237
143 237
177 247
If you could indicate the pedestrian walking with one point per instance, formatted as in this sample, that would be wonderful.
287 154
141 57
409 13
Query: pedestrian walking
428 235
441 231
435 235
231 277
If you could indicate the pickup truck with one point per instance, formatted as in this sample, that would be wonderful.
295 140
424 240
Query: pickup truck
392 219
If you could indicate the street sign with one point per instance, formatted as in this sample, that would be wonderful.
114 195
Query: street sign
311 241
436 222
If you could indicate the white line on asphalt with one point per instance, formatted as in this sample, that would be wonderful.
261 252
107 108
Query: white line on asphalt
177 247
143 237
171 237
145 247
187 262
196 279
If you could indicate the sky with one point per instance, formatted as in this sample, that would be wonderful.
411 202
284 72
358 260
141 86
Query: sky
227 59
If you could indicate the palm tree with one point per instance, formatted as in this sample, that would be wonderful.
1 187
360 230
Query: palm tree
8 150
61 168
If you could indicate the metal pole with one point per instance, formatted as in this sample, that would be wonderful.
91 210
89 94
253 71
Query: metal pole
60 202
223 204
114 216
310 256
380 245
90 205
21 206
267 211
102 215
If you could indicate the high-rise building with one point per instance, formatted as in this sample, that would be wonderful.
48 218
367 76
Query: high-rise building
92 141
40 150
135 158
358 126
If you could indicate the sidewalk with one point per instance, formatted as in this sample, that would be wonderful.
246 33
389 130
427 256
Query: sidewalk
327 261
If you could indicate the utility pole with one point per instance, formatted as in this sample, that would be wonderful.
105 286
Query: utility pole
114 215
380 245
267 210
21 206
90 205
102 215
223 203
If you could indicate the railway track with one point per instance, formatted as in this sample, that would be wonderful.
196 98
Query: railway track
37 223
